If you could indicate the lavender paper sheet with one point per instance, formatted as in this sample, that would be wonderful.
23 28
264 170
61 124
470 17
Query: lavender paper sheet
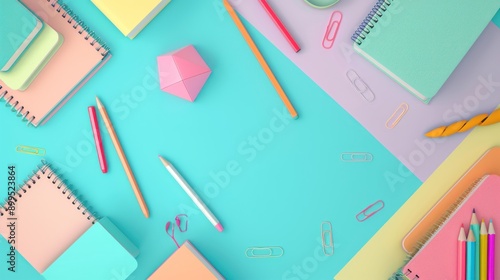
473 88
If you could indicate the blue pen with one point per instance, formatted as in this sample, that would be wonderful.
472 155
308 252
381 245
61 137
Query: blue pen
471 256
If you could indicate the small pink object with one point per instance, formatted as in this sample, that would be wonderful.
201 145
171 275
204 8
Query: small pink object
97 139
219 227
332 29
183 72
369 211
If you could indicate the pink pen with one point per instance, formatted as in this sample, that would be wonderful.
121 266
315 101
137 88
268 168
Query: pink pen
97 139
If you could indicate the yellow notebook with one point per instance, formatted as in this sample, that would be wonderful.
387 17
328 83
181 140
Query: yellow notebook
31 63
186 263
130 16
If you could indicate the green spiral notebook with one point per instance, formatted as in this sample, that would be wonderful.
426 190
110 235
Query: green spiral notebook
419 43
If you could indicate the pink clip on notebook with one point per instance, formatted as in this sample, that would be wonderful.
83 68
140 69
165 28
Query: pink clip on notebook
48 219
78 59
437 258
186 264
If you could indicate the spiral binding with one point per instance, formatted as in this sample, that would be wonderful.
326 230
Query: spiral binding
371 19
77 24
73 19
58 182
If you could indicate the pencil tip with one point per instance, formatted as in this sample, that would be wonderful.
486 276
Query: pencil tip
474 210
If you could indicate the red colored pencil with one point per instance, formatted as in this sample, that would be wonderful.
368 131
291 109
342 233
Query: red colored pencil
461 261
280 25
97 139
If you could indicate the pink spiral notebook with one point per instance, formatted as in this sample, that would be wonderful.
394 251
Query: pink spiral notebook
437 259
78 59
47 219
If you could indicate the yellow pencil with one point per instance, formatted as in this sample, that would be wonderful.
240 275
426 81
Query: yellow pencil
261 59
483 252
123 159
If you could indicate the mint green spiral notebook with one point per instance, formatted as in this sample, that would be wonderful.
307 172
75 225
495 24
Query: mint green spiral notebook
419 43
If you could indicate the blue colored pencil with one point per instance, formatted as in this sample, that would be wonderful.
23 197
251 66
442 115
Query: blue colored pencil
471 256
474 225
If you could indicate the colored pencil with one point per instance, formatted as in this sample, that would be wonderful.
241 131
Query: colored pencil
483 252
280 25
462 255
192 194
97 139
261 59
491 252
474 225
123 159
471 256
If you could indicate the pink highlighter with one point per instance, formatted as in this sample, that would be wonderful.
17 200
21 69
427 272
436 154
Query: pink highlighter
97 139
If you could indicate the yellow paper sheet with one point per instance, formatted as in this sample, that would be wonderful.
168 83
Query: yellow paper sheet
383 254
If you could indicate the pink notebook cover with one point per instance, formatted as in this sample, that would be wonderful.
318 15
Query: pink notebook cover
47 217
77 60
438 258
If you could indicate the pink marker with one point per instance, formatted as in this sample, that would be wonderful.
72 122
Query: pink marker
280 25
97 139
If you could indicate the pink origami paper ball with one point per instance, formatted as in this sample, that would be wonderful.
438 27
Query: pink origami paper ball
183 72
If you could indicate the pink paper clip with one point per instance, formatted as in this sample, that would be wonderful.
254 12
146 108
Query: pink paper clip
369 211
397 116
178 223
332 29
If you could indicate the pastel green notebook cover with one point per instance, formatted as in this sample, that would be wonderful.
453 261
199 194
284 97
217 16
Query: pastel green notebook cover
18 27
419 43
31 63
496 19
102 252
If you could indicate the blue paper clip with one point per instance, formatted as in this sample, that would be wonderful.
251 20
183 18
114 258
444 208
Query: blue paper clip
356 157
264 252
327 238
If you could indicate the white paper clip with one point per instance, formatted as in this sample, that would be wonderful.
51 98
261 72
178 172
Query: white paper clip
332 29
397 116
327 238
30 150
360 86
264 252
356 157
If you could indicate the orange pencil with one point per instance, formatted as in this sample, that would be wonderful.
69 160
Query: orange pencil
123 159
261 59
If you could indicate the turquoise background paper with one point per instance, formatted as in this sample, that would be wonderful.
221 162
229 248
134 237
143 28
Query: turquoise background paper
288 176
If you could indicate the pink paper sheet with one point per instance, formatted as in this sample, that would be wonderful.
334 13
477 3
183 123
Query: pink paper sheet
473 88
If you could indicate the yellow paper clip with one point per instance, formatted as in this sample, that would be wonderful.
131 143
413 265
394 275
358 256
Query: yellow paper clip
360 86
264 252
327 238
369 211
356 157
397 116
30 150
